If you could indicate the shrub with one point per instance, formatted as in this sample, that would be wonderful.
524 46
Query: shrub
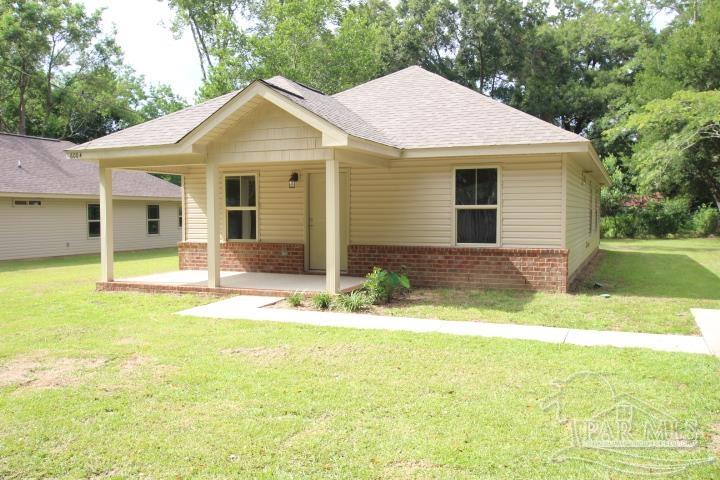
322 300
657 218
295 299
352 302
381 285
706 221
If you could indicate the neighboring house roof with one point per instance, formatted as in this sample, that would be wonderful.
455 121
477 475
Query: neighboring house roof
411 108
34 165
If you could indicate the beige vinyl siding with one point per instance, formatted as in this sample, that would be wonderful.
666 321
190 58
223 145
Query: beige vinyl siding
412 202
195 204
408 204
59 227
579 240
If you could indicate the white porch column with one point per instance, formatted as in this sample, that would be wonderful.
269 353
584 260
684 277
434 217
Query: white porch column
212 177
332 225
106 225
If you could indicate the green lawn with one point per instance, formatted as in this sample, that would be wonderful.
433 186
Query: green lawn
652 286
113 385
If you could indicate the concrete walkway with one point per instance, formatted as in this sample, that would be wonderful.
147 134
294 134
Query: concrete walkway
709 323
250 308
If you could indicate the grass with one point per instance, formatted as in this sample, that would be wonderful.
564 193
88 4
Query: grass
116 386
652 286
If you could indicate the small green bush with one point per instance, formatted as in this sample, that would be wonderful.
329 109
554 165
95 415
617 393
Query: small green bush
322 300
295 299
671 216
706 221
352 302
381 285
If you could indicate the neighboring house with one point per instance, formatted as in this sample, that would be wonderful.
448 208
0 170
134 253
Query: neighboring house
409 171
49 205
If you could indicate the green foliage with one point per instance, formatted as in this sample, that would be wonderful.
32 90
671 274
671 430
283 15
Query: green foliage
655 219
352 302
706 221
295 299
382 285
678 143
61 77
322 300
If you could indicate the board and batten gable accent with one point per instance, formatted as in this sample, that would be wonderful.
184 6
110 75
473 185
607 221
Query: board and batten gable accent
60 227
581 241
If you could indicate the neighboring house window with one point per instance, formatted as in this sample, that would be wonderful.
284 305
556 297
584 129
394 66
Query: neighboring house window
153 219
180 217
241 207
476 205
93 219
27 203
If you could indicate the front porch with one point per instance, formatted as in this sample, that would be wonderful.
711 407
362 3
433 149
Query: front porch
231 283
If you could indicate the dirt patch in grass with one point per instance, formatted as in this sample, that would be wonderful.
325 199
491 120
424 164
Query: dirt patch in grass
408 468
130 341
260 353
36 371
714 445
135 362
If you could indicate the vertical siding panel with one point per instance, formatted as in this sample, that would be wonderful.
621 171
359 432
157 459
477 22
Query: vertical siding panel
580 241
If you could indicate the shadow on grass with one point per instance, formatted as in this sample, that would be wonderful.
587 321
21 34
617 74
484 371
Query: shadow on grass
82 260
644 274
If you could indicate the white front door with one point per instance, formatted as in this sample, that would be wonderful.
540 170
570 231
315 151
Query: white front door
316 220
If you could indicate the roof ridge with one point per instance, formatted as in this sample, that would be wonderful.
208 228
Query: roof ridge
34 137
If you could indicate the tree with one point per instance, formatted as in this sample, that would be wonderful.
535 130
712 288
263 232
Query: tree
677 149
62 78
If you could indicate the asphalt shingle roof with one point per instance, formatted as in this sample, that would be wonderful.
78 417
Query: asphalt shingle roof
39 166
411 108
417 109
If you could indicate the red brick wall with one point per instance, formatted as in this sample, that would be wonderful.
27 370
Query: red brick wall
521 268
246 257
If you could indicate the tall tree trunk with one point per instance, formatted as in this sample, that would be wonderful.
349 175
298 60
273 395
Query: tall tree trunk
21 125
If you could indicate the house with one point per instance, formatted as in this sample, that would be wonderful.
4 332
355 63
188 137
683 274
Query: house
49 205
408 171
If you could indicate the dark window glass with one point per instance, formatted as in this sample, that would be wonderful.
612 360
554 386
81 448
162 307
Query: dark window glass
240 191
93 229
476 226
486 186
34 203
465 187
242 224
153 212
180 217
477 186
153 227
93 211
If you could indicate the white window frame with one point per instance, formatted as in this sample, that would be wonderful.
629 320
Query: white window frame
26 202
497 207
148 219
88 221
256 208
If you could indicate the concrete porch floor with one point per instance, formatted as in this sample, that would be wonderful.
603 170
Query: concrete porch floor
230 282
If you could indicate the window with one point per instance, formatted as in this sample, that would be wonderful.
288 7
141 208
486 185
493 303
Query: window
153 219
180 217
93 219
27 203
241 207
476 205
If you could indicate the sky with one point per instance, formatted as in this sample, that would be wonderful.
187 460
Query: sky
143 32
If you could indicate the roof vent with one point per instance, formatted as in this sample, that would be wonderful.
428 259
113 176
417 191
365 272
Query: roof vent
19 164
